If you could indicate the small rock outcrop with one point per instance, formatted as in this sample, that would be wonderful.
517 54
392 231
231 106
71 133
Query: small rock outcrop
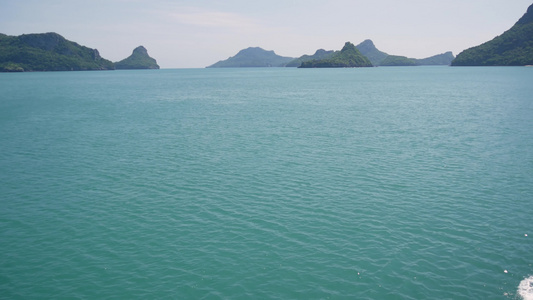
139 59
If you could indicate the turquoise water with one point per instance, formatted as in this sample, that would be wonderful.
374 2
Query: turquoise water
375 183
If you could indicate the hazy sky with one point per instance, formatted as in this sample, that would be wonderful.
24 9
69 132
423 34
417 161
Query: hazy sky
185 34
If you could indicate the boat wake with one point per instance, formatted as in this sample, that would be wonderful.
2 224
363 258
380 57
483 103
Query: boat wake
525 288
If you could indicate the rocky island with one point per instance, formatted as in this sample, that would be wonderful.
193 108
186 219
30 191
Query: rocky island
348 57
139 59
48 52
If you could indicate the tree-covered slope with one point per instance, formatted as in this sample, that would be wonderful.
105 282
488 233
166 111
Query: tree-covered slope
396 60
319 54
348 57
139 59
47 52
513 48
253 57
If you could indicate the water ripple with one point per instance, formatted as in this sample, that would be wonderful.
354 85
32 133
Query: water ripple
268 184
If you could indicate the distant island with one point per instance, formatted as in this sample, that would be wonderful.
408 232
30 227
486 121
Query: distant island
52 52
253 57
139 59
257 57
47 52
348 57
513 48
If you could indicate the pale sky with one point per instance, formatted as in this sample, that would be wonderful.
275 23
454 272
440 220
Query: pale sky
195 34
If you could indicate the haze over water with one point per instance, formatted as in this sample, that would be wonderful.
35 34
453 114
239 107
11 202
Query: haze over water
374 183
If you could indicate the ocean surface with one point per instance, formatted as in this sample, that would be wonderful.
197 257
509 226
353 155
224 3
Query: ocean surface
275 183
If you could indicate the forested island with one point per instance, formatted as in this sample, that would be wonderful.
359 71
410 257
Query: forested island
513 48
139 59
348 57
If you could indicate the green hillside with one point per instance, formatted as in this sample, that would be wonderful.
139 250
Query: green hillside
47 52
396 60
513 48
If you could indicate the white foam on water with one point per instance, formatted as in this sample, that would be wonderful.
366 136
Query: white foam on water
525 288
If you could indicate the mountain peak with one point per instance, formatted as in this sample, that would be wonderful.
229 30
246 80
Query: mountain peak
255 51
369 50
367 43
367 46
348 46
320 52
140 50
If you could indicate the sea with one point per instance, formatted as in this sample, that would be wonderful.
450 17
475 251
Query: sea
267 183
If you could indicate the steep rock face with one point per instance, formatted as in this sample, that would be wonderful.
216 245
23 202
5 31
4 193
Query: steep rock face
139 59
513 48
48 52
253 57
348 57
